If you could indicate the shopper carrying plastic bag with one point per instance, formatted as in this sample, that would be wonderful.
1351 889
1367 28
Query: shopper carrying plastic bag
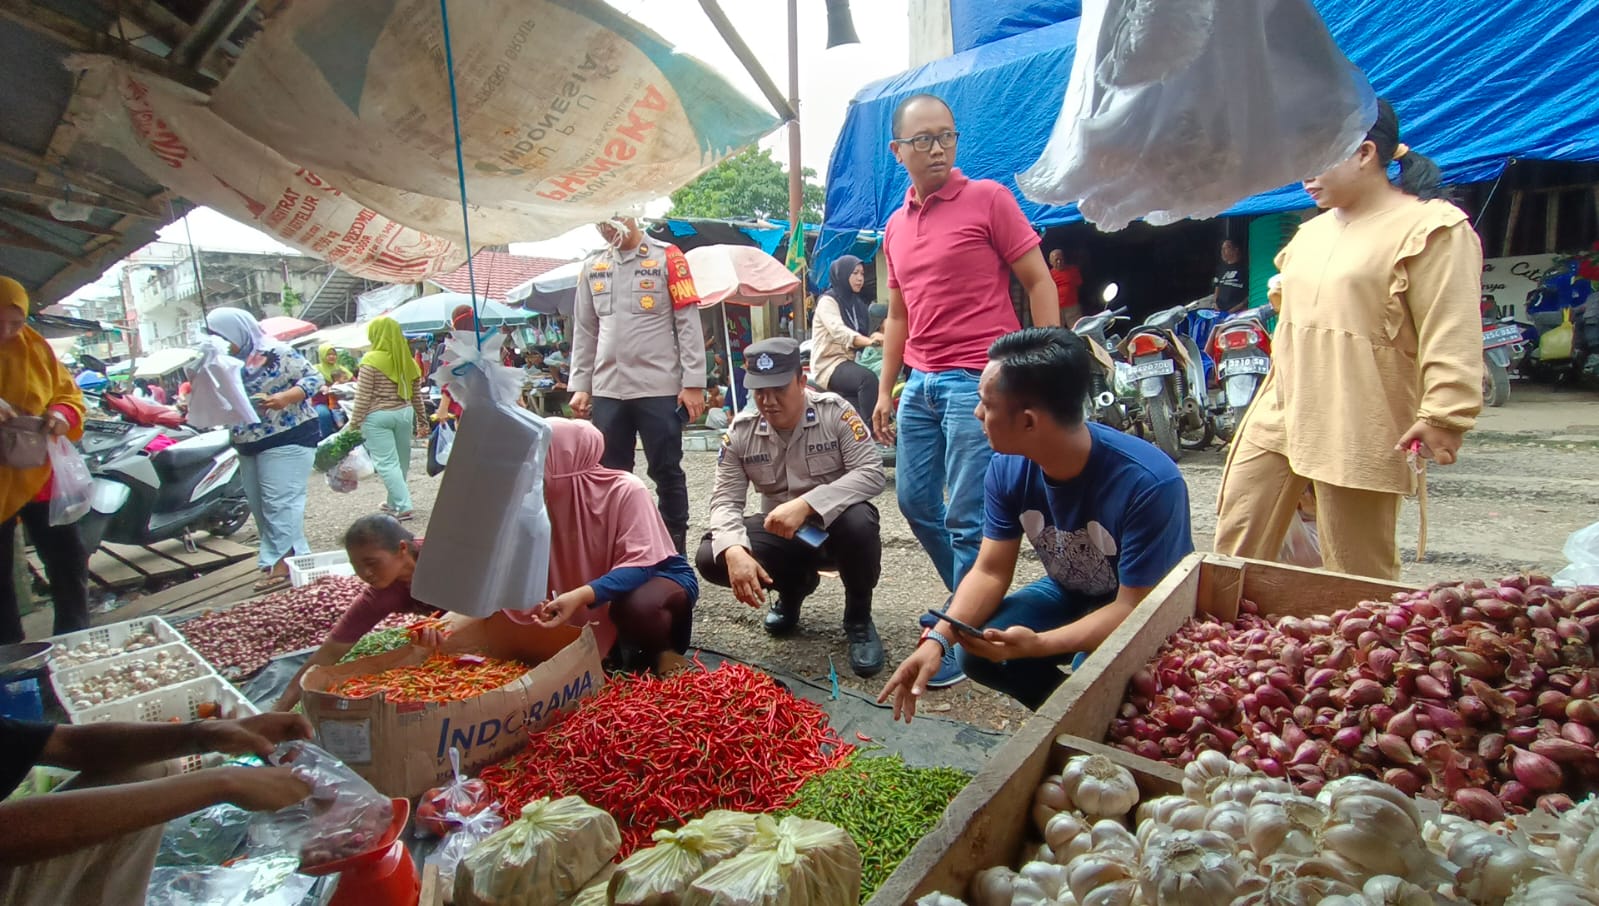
1181 108
38 395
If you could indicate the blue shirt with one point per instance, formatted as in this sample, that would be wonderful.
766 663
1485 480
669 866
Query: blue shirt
1122 521
627 579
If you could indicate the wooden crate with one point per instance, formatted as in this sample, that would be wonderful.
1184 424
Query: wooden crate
987 823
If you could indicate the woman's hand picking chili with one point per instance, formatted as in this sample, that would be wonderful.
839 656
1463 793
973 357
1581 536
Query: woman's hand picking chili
561 609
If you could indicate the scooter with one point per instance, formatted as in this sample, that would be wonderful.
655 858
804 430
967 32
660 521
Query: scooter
1501 343
1170 376
1241 346
152 483
1104 405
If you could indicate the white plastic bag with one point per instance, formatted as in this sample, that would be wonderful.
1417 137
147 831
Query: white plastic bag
457 843
489 534
356 465
216 389
1582 553
71 485
795 862
1181 108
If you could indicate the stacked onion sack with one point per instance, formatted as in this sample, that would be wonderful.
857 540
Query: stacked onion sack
1239 837
1479 695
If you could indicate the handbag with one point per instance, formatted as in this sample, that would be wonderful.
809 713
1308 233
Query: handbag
24 442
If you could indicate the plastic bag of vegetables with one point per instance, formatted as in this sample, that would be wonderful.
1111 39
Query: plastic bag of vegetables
551 852
444 808
795 862
660 875
344 816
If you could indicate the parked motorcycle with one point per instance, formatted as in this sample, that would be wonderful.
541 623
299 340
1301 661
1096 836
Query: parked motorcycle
1104 405
1168 370
1501 343
154 482
1241 347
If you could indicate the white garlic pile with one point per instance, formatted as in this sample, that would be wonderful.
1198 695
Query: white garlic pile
87 652
133 677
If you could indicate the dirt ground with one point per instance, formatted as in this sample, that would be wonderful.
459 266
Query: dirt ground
1525 481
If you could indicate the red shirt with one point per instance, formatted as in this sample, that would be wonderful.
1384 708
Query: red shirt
372 605
1067 280
951 258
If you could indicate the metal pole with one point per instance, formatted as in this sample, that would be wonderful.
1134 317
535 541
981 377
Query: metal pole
724 27
796 190
194 261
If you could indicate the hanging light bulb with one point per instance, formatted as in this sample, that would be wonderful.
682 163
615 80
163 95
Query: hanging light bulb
840 27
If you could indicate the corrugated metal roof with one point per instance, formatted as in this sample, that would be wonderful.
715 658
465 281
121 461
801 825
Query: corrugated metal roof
496 273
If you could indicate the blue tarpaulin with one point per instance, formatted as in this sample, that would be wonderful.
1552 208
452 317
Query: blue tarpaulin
978 22
1476 83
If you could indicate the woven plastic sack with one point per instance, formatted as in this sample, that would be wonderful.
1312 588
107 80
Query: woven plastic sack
795 862
661 875
1182 108
548 854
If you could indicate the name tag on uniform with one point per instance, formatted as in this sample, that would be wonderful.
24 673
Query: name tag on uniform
756 459
824 447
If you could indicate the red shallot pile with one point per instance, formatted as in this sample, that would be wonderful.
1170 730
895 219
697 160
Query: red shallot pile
1482 695
240 640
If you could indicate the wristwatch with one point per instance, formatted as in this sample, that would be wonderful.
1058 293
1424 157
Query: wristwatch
943 640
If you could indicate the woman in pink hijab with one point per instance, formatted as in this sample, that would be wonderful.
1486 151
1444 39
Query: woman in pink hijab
612 564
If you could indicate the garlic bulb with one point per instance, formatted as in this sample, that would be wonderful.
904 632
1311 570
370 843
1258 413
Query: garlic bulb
993 887
1244 788
1173 811
1093 871
1377 829
939 899
1067 836
1577 851
1280 823
1230 818
1050 793
1051 879
1099 787
1387 890
1116 893
1027 892
1110 837
1207 768
1549 889
1491 866
1190 867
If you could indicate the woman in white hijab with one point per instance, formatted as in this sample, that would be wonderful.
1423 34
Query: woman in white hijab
276 452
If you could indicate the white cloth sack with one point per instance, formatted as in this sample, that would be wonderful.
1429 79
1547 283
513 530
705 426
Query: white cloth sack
217 397
489 535
1182 108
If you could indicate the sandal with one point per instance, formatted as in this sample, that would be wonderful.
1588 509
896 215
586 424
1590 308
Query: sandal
406 516
270 582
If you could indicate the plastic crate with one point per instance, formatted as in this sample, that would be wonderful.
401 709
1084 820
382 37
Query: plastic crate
113 635
63 679
177 703
304 570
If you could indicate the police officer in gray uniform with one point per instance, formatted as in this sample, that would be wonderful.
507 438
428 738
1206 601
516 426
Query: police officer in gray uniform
810 456
638 359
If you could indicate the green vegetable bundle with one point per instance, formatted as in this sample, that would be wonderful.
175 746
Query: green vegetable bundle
378 642
884 804
332 450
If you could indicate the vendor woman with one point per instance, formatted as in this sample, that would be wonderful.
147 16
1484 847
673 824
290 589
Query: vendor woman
611 559
384 555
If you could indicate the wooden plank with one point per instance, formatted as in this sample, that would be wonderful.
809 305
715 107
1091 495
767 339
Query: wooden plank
1551 223
1155 778
1517 198
1300 592
113 573
224 547
178 595
199 560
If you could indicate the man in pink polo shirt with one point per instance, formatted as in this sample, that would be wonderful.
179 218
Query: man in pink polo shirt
951 251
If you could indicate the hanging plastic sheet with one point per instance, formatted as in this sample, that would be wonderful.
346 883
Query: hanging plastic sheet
1181 108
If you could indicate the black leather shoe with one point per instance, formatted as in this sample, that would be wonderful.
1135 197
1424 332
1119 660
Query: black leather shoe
782 617
865 648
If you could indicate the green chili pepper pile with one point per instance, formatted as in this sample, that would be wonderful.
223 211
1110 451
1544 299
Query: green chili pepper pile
885 804
378 642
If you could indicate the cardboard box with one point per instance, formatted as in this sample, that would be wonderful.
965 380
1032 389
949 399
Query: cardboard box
403 748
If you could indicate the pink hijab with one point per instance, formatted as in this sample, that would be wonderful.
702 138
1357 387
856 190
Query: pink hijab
600 519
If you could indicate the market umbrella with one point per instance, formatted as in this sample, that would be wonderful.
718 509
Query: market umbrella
431 314
286 329
738 275
550 293
163 362
91 380
343 336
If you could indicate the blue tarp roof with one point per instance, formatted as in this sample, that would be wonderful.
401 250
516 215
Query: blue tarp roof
1476 83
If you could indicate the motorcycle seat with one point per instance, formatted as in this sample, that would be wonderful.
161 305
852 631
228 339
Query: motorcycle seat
1168 319
195 450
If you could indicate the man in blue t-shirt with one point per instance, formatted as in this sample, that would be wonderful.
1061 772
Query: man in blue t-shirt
1107 514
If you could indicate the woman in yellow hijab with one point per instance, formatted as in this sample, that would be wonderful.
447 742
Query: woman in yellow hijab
327 363
33 384
388 410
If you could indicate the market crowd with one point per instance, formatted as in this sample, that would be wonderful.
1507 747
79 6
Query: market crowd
989 432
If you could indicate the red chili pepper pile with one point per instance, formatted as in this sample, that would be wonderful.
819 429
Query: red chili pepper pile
440 678
658 752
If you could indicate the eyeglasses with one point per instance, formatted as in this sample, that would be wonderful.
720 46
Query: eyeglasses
946 140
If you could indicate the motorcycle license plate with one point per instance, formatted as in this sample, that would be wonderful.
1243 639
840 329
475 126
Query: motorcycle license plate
1501 336
1250 365
1156 368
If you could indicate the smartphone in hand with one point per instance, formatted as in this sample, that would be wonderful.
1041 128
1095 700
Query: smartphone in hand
967 628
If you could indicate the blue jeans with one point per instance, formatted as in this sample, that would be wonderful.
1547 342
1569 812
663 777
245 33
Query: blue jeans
941 443
275 484
324 420
1040 606
387 436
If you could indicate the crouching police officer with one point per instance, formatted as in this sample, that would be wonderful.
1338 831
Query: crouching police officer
814 463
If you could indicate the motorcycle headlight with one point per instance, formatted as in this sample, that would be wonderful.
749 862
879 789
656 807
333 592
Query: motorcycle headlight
108 496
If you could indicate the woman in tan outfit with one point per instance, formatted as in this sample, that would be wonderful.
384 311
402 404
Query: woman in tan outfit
1378 351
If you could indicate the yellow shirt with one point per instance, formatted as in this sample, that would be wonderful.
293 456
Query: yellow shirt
1380 327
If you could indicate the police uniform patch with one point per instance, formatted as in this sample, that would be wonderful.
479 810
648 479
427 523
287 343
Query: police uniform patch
601 267
597 286
646 302
646 284
856 427
650 262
